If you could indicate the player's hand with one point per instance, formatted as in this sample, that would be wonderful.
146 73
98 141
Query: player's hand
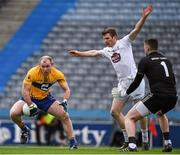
73 53
147 10
33 110
64 104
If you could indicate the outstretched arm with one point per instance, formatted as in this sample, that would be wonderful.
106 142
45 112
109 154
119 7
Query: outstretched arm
140 23
90 53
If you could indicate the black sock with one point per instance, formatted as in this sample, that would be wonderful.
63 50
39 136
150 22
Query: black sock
166 135
132 140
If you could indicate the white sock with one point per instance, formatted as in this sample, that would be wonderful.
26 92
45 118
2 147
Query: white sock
125 136
166 142
144 135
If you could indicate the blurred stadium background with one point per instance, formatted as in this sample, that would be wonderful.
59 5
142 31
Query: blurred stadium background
32 28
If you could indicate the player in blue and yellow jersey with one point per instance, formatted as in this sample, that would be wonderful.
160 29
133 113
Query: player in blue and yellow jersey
36 90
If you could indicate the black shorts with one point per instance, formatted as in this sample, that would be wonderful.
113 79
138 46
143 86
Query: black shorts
160 102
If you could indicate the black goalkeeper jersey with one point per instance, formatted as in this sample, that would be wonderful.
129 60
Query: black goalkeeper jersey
159 72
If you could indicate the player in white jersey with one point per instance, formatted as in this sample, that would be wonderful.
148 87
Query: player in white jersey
122 59
119 52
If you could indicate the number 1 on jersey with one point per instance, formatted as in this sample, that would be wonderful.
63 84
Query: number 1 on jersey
165 68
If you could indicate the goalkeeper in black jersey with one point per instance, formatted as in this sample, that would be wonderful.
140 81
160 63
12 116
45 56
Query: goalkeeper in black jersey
158 70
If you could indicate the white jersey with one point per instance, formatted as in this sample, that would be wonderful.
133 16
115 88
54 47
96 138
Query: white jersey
121 57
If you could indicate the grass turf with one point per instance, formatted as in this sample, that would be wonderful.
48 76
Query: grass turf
82 150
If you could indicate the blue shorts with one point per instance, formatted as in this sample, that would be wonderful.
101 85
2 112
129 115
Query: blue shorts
45 103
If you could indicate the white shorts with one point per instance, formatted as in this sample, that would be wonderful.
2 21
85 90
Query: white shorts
142 109
138 94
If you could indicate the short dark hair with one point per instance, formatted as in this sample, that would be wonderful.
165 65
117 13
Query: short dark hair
153 43
110 30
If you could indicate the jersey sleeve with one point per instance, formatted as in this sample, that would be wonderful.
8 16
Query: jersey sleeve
29 78
126 41
142 66
102 52
134 85
60 78
139 76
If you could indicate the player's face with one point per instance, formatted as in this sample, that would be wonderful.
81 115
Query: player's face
45 66
109 40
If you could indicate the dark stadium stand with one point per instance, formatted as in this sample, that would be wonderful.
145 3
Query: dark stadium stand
90 79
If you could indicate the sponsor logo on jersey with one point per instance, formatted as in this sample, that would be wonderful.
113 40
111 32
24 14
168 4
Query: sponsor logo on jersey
45 87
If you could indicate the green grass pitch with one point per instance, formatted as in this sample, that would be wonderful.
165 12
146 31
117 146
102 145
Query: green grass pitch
20 149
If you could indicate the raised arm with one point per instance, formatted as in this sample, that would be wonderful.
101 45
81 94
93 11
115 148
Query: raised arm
90 53
140 23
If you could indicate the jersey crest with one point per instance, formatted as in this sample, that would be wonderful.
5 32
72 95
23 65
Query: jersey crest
116 57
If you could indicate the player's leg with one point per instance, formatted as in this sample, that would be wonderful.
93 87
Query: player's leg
164 125
144 132
62 134
137 112
137 95
165 104
15 114
116 114
116 108
58 111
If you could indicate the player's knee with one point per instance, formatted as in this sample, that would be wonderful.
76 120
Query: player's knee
127 118
114 113
131 118
13 113
64 116
159 113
